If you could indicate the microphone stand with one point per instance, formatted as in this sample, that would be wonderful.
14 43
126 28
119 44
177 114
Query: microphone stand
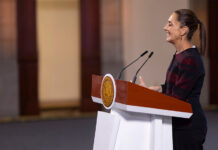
119 76
135 77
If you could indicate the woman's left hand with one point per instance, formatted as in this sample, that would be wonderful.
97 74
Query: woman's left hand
142 83
154 88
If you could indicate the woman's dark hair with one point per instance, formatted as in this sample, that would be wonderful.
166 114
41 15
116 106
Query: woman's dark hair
186 17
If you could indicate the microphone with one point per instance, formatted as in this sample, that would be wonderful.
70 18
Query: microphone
119 76
135 77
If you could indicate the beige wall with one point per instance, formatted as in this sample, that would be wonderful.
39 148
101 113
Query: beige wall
111 43
9 104
59 50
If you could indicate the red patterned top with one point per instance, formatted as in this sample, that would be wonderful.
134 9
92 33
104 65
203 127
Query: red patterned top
184 81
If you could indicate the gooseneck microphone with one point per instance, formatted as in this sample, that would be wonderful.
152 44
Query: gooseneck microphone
135 77
119 76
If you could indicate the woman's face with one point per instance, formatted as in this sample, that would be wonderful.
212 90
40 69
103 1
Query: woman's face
173 29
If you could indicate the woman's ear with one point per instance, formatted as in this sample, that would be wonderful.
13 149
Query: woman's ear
184 30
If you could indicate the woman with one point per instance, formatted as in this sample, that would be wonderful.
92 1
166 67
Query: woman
185 78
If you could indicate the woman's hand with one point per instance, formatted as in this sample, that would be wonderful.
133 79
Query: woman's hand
154 88
142 83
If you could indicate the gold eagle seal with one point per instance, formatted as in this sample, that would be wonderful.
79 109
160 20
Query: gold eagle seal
108 91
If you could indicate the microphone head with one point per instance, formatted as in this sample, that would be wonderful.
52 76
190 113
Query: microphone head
143 53
151 54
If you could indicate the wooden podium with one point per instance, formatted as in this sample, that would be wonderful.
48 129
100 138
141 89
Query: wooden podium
139 118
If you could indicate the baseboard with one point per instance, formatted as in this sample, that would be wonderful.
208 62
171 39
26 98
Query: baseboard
59 104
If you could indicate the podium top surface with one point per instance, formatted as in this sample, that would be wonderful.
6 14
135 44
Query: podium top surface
132 97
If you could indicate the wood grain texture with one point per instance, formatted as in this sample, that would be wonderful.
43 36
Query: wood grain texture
90 50
27 57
